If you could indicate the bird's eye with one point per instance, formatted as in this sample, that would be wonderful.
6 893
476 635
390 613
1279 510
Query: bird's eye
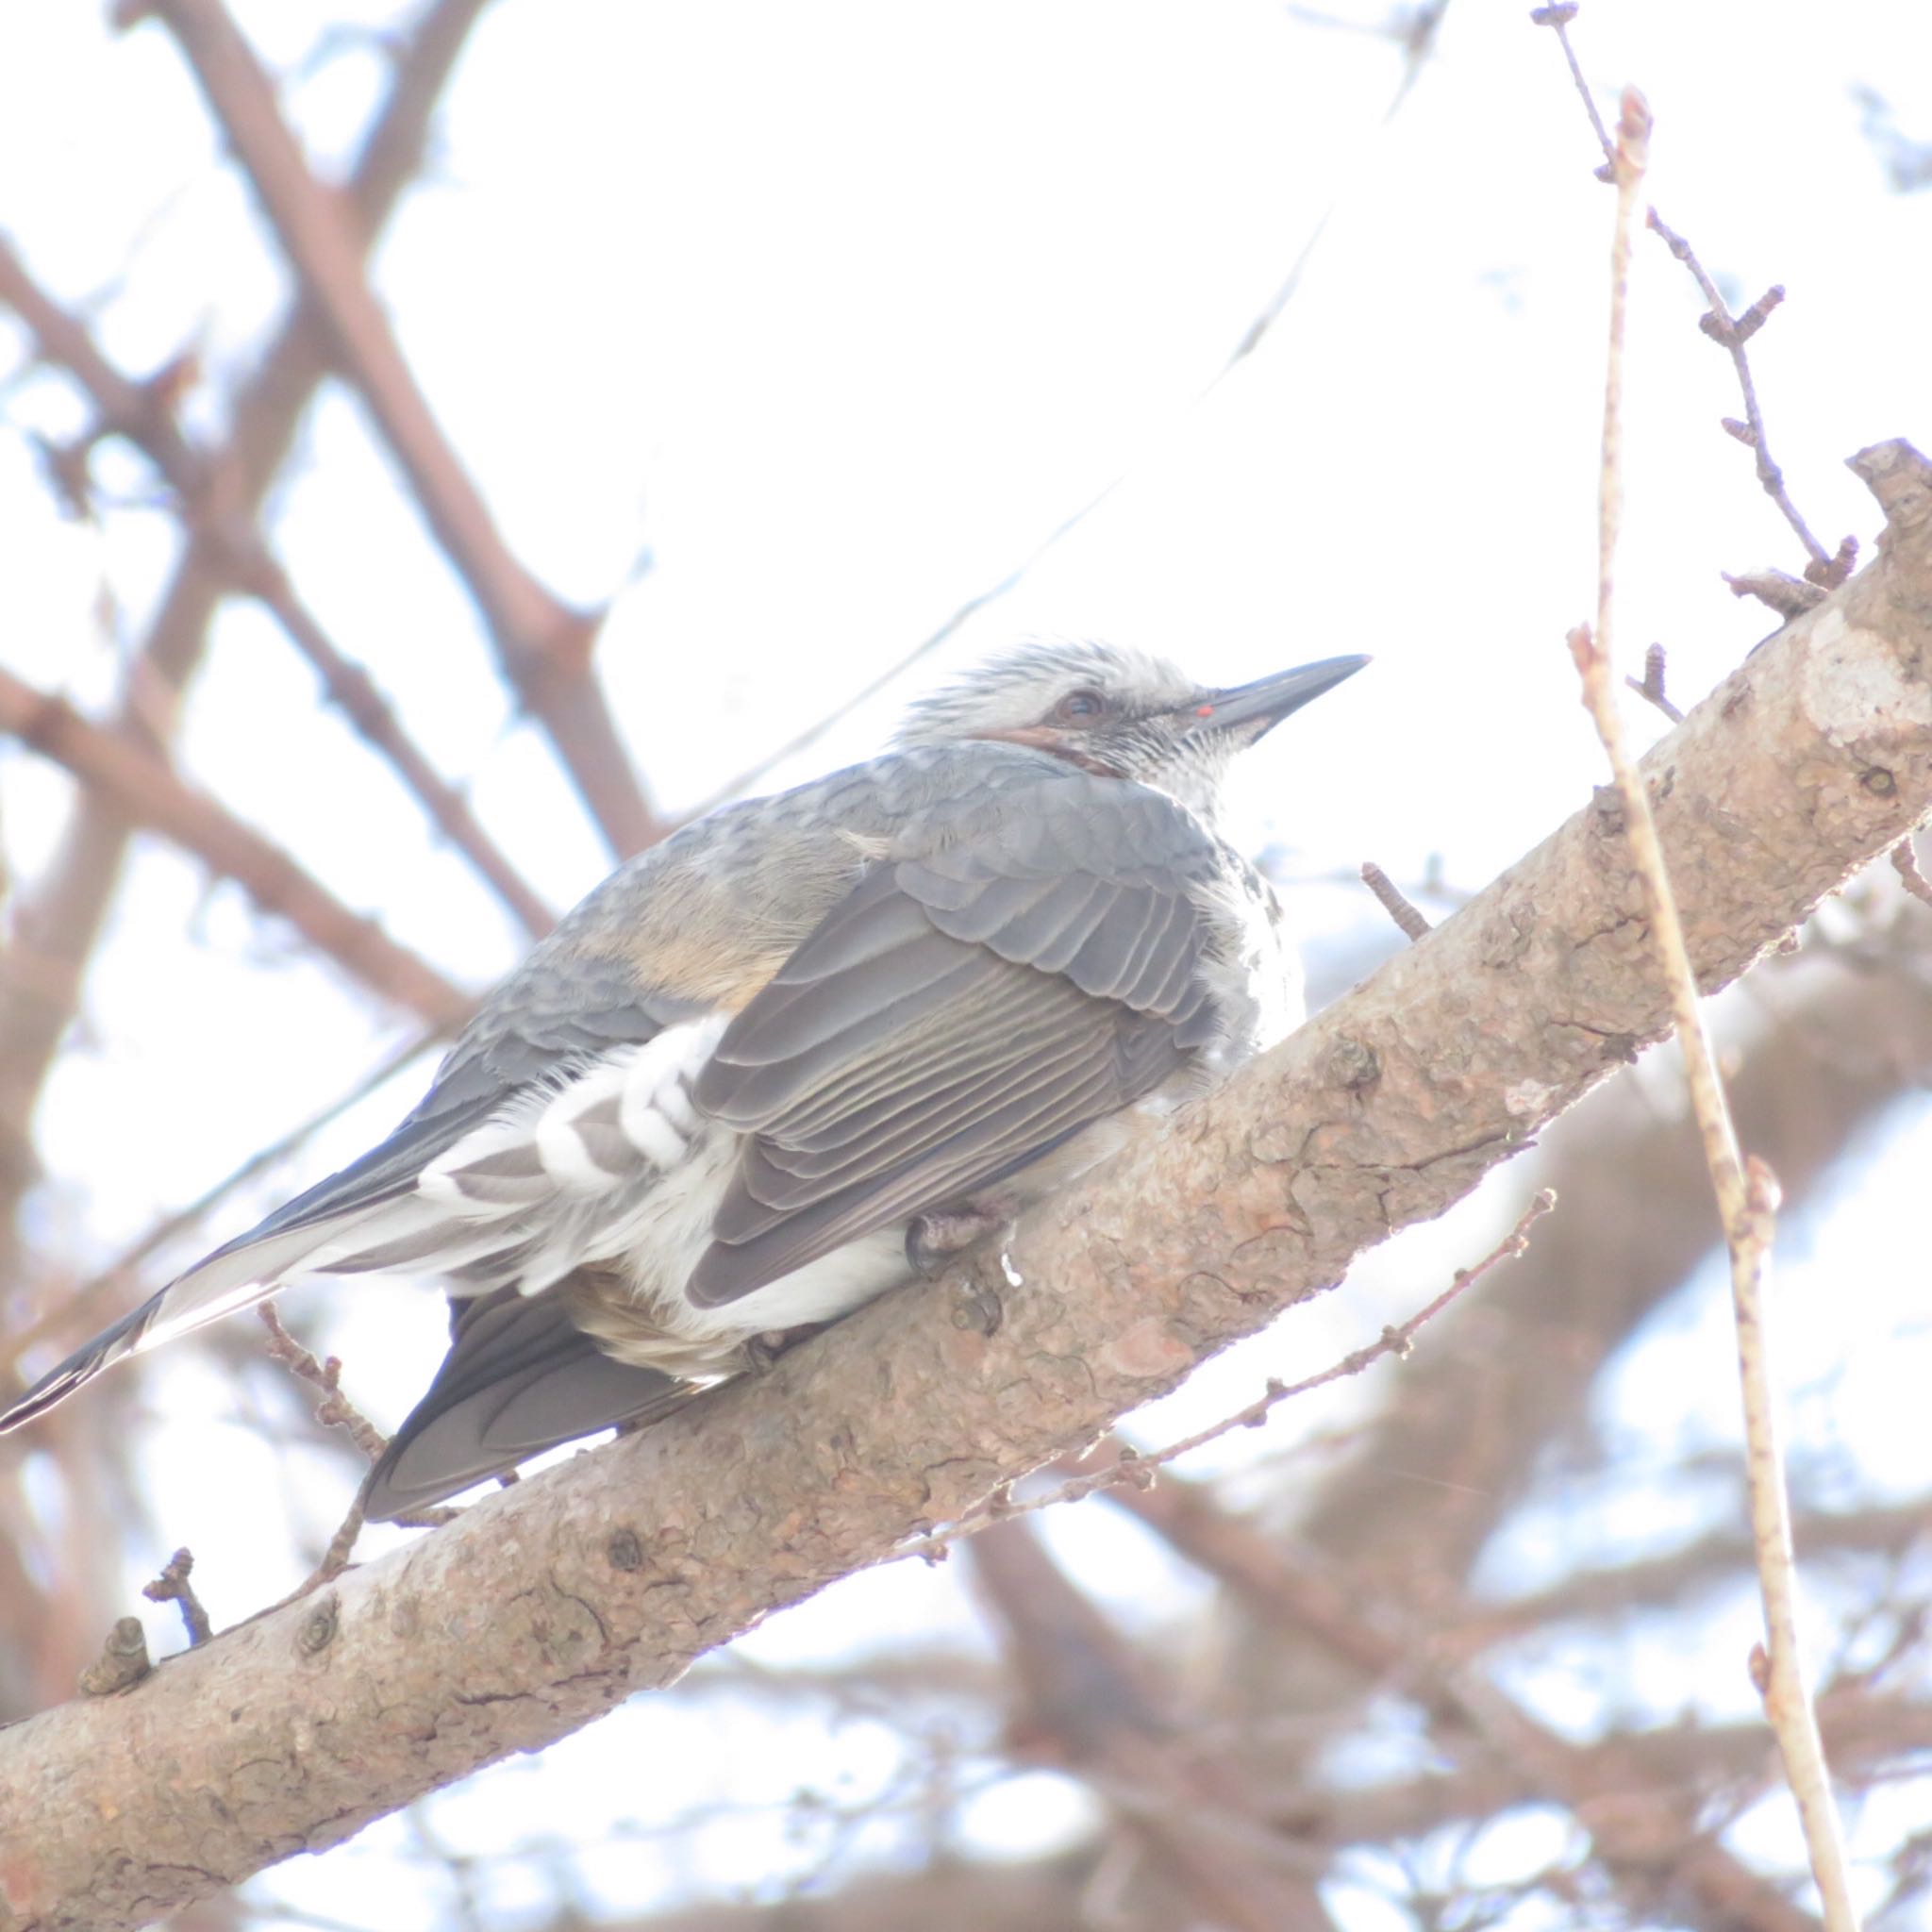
1078 706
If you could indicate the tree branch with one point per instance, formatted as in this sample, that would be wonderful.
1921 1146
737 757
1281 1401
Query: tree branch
63 916
137 412
1087 1701
1644 1838
147 791
542 646
546 1605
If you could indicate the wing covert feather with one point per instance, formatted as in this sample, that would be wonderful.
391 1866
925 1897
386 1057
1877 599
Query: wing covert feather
966 1009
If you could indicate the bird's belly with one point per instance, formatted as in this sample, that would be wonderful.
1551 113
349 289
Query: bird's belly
822 1290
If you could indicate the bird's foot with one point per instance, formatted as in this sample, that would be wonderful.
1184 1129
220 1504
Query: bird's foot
762 1351
978 1306
934 1242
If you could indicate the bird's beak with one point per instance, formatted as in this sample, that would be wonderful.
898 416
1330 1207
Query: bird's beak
1266 702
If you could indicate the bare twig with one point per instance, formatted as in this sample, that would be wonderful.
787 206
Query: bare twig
335 1558
1651 686
542 646
1559 18
140 411
144 787
1137 1467
66 910
341 1545
1389 897
1905 861
172 1586
1746 1197
1777 590
335 1412
1730 332
124 1661
352 689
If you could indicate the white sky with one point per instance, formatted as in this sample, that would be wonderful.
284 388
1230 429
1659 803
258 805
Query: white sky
832 314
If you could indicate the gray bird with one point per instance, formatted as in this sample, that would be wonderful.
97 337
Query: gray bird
773 1066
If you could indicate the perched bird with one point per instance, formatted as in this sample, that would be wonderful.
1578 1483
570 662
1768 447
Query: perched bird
775 1065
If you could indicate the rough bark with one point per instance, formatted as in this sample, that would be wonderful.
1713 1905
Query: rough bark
548 1604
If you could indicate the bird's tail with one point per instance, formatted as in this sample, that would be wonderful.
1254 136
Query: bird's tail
520 1377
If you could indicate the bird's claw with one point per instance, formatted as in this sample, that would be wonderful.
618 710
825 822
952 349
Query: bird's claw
934 1242
760 1352
979 1306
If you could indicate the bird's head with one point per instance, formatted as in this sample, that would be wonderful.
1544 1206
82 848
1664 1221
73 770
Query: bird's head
1118 713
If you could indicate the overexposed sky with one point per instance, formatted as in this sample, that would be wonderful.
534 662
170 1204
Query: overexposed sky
786 329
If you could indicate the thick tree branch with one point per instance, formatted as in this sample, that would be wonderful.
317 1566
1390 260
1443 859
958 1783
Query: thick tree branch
548 1604
1501 1379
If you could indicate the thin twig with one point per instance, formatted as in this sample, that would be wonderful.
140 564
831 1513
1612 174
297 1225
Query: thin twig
1389 897
147 790
1746 1196
341 1545
1650 687
1137 1467
543 647
1905 861
142 412
1558 19
369 710
336 1412
1730 332
172 1586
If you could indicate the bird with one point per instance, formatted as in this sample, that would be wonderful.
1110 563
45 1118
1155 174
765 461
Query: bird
796 1055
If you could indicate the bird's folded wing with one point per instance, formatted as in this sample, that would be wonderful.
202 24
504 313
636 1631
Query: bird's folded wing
963 1011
